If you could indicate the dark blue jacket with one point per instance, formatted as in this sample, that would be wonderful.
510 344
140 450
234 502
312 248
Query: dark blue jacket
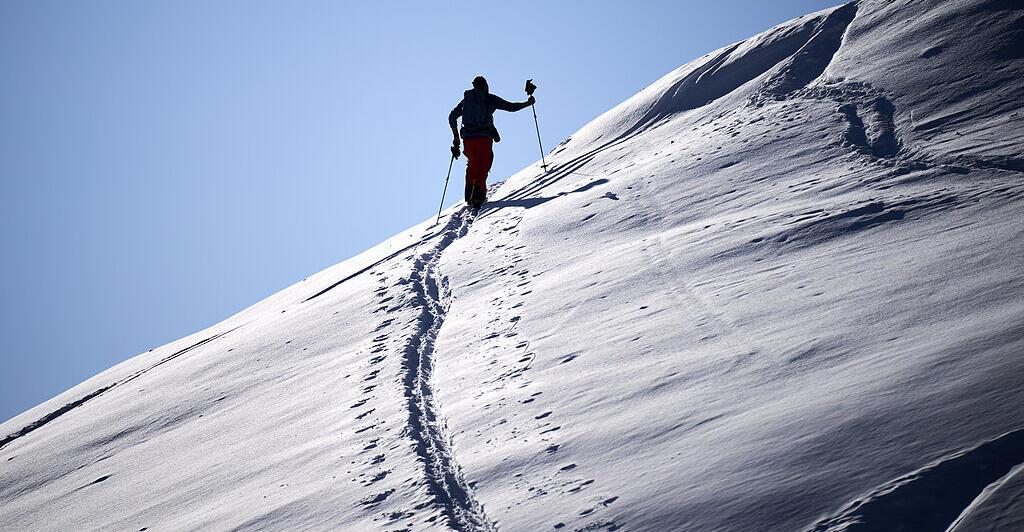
487 128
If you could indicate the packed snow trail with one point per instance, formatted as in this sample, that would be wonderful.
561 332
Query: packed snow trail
444 476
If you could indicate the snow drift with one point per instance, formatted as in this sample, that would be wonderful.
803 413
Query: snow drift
779 289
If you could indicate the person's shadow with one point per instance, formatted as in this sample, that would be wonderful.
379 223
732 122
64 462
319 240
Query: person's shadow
529 203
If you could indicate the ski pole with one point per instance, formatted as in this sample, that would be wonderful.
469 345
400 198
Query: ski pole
445 191
543 163
530 87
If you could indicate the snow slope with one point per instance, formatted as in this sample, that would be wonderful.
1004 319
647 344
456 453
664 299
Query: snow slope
779 289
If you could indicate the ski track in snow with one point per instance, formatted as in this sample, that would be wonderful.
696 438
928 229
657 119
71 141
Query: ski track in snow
444 476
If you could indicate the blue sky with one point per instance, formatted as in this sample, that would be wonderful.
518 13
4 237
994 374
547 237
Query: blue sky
166 164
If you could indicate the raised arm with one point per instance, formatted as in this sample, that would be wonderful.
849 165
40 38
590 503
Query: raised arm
500 103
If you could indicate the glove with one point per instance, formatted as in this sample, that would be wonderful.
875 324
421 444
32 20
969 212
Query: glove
531 100
455 151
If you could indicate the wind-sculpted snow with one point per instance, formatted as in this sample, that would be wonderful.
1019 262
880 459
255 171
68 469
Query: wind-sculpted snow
931 498
780 289
808 63
997 508
52 416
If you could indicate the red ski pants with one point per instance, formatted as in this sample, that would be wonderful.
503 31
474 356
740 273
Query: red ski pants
479 156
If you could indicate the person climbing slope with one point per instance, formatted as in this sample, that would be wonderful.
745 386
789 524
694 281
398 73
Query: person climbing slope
477 109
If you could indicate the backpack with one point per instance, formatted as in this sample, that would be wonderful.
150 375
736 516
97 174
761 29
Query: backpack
475 114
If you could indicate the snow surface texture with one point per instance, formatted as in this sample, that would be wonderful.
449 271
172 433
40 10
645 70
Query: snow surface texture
779 289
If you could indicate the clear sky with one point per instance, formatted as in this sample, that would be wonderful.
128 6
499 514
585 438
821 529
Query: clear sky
165 164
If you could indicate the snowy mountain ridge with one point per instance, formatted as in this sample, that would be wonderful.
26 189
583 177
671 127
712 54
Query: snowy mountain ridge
778 289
